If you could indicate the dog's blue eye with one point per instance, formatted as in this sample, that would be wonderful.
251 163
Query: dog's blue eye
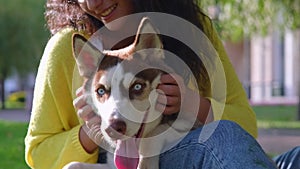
137 87
101 91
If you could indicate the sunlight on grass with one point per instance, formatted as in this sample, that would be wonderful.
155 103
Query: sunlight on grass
12 133
278 124
276 116
12 145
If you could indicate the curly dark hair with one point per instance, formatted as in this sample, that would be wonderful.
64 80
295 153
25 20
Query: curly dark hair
62 13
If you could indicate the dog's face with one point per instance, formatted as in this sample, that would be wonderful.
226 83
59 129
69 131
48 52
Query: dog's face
122 83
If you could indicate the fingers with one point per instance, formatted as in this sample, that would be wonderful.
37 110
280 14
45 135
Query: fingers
169 99
79 102
172 79
167 110
94 121
168 79
84 110
79 91
172 85
169 89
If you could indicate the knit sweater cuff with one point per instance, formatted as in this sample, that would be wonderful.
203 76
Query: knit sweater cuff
88 157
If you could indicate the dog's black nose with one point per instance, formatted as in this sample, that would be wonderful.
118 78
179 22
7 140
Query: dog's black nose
118 125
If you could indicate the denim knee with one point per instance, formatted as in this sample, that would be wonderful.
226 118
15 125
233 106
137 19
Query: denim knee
220 144
289 160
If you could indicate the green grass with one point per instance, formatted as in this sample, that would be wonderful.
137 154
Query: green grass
12 133
277 117
12 145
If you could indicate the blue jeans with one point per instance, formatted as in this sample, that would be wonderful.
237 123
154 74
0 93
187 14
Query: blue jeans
289 160
218 145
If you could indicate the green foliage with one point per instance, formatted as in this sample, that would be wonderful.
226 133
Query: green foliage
239 18
16 100
22 35
22 38
291 12
12 147
17 96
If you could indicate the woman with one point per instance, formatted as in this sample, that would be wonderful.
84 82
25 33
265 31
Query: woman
56 135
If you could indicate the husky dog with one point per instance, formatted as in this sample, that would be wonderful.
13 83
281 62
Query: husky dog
122 90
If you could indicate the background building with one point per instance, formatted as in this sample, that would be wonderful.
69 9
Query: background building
268 67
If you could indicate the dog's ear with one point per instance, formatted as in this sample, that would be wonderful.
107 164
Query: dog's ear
87 56
147 37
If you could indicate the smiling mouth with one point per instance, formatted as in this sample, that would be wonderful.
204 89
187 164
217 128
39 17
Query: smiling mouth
109 10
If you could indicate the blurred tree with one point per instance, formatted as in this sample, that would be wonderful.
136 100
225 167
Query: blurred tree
22 37
237 19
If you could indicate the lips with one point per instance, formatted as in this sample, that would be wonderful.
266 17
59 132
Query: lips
108 11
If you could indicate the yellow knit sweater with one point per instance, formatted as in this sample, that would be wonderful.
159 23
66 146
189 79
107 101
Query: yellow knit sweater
52 139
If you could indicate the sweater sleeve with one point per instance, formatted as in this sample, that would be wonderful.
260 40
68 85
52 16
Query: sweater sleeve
53 135
236 106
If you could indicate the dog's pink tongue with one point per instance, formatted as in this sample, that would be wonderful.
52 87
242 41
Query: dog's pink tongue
126 154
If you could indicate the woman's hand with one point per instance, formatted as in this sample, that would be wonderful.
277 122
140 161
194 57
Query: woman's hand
173 92
84 110
90 133
169 97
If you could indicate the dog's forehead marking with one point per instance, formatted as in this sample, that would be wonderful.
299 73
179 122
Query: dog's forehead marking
106 78
122 76
116 75
128 79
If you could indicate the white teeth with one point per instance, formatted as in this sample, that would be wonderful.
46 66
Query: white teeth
108 11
